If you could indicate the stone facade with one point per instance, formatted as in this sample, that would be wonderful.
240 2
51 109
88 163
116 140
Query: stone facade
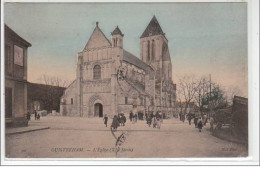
15 78
112 80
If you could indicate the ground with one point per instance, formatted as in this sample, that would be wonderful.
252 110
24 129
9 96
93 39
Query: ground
71 137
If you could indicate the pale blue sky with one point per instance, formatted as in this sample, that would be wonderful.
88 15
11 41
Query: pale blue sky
203 38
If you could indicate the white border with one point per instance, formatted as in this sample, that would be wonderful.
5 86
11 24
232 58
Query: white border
253 80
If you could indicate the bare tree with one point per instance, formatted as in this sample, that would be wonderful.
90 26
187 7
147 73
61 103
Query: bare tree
52 80
187 88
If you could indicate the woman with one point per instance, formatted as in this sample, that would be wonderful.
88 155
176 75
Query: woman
115 123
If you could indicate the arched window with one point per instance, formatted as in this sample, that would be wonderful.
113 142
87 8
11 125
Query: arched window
148 51
152 51
97 72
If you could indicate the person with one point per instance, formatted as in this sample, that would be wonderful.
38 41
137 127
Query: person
189 118
135 118
115 123
205 117
211 124
123 119
149 120
131 116
158 122
28 115
35 114
154 122
38 116
196 121
180 116
200 124
105 119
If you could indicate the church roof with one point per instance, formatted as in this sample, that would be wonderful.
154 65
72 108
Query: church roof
153 28
97 39
117 31
130 58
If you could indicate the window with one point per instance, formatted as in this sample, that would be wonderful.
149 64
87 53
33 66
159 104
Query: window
18 55
71 101
152 51
148 51
126 100
97 72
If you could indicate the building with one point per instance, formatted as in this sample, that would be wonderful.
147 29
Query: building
15 78
112 80
44 97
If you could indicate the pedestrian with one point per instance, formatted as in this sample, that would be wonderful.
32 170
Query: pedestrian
131 116
180 116
38 116
205 119
149 120
115 123
200 124
28 116
154 122
123 119
35 114
196 121
211 124
158 123
189 118
105 119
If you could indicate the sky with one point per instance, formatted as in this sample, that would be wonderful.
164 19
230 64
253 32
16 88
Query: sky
204 38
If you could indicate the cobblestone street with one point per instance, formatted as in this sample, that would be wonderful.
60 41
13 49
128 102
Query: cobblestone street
70 137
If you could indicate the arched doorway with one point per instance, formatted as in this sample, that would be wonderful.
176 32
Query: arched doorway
98 110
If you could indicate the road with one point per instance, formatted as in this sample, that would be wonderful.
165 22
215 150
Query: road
74 137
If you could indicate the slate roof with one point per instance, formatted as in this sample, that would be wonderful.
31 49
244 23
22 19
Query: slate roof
153 28
130 58
117 31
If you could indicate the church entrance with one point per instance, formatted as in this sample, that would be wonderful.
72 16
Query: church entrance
98 110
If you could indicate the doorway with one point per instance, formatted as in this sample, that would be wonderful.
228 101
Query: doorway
98 110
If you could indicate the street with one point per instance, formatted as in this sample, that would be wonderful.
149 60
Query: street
74 137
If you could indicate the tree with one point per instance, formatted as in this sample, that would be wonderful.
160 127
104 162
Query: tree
215 99
53 80
187 88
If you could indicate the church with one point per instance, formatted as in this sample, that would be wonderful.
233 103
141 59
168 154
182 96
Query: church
110 80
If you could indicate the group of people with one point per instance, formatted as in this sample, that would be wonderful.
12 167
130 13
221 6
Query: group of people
36 115
118 120
151 119
199 121
133 117
156 119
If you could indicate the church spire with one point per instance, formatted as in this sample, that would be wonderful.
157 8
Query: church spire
153 28
117 31
117 38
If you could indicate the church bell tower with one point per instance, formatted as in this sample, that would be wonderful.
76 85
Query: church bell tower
154 49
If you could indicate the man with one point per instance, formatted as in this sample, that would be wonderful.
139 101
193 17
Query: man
149 120
195 121
123 119
211 124
189 118
131 116
105 119
28 116
35 114
200 124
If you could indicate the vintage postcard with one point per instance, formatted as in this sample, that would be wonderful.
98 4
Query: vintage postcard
122 80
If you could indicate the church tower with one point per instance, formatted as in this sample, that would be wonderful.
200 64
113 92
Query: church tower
154 50
117 38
